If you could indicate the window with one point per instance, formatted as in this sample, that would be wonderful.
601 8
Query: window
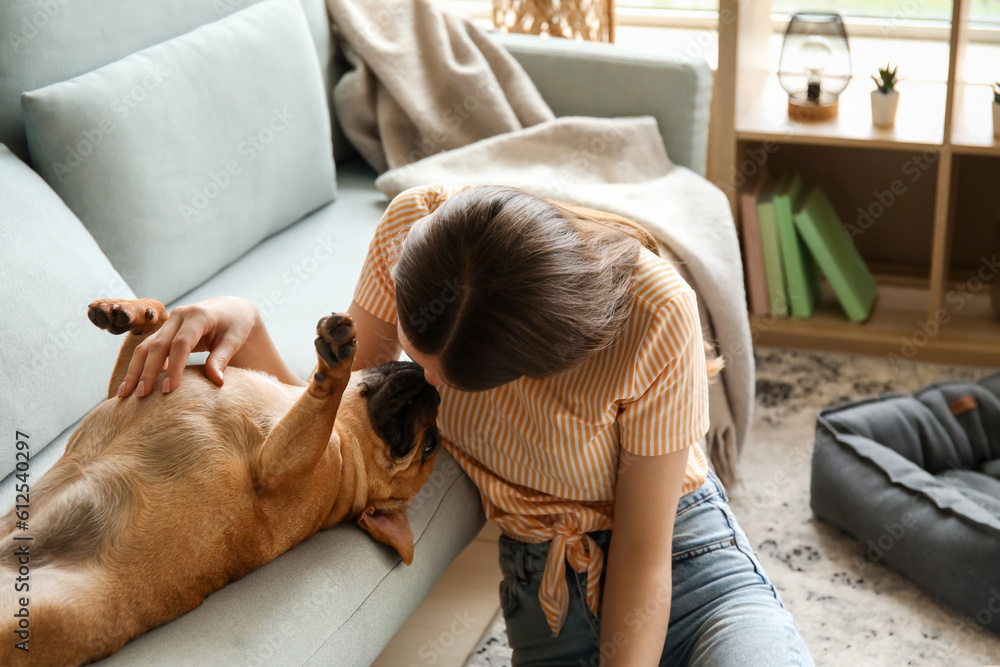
985 12
928 10
685 5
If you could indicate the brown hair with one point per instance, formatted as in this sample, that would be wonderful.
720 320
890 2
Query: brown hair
500 284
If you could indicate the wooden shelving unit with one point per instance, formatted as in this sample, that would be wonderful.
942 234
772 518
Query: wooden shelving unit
933 304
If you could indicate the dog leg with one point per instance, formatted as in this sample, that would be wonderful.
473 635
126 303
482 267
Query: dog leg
139 317
299 439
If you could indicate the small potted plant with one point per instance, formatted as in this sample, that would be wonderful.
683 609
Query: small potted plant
885 97
996 109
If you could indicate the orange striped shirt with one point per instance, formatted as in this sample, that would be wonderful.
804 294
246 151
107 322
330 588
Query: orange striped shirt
544 452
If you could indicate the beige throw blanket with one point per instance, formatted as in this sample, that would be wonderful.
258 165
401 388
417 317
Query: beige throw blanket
424 81
616 165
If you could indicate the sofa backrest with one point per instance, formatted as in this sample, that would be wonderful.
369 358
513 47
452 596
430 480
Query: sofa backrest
609 81
47 41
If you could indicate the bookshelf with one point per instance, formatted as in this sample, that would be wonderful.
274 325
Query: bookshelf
925 248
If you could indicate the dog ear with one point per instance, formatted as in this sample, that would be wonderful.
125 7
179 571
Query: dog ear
389 527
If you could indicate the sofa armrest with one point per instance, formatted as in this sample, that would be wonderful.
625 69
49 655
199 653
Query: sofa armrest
595 79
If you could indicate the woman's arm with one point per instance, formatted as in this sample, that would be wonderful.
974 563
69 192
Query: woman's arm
231 329
636 607
377 339
259 353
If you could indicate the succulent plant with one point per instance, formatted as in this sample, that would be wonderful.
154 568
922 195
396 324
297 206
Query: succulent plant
886 80
996 93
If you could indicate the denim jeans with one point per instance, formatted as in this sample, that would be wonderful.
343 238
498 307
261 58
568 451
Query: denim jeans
723 608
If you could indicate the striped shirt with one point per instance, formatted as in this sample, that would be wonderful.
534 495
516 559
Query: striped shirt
544 452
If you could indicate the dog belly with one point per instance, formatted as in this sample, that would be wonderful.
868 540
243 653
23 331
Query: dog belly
139 470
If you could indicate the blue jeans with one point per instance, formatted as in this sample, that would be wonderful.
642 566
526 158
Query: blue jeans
723 608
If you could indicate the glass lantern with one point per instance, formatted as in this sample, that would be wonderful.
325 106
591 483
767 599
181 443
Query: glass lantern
815 64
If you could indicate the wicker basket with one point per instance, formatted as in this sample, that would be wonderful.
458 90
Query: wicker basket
592 20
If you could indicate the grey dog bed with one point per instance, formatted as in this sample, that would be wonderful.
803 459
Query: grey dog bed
916 479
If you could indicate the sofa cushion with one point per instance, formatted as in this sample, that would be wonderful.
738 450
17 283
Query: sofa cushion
339 597
308 270
335 599
55 365
911 477
190 152
47 41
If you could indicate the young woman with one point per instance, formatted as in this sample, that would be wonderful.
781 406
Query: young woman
574 386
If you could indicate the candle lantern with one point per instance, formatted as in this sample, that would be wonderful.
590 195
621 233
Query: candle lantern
815 64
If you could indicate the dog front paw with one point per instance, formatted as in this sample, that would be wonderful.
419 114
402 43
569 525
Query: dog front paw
120 315
335 340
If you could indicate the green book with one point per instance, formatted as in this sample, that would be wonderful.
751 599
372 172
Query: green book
852 282
774 266
801 272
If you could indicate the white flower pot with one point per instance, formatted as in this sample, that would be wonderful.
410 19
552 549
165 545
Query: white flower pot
884 108
996 120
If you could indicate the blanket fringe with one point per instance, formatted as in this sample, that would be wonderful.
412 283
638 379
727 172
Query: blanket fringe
723 454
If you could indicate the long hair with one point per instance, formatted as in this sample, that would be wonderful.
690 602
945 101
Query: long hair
500 284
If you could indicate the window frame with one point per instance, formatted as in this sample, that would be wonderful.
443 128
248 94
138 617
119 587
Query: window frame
705 19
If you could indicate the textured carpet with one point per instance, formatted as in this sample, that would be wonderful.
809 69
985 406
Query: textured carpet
850 611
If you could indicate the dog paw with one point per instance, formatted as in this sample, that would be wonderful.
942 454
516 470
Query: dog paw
335 342
120 315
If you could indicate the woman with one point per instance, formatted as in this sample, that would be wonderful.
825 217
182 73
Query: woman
573 378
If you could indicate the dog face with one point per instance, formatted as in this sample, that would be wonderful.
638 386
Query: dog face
400 410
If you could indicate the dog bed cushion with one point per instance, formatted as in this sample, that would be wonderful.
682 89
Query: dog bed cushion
54 364
916 479
181 157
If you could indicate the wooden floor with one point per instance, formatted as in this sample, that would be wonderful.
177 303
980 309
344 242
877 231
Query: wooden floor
454 615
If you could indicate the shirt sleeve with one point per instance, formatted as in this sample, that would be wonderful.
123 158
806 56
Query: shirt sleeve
375 290
671 413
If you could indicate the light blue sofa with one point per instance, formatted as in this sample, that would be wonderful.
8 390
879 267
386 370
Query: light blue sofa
338 598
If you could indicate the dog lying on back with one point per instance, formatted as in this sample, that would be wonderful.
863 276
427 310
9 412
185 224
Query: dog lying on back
158 502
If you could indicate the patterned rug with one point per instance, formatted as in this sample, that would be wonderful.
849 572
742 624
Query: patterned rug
850 611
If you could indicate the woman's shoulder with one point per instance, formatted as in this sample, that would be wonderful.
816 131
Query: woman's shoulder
663 320
409 206
421 199
657 282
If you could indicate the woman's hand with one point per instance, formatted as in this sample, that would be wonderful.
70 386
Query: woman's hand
221 325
